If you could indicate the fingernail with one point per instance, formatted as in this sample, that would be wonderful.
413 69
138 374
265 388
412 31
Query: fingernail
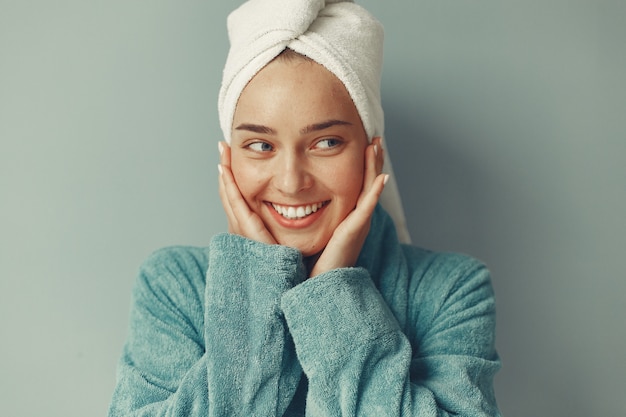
219 168
375 149
220 147
385 179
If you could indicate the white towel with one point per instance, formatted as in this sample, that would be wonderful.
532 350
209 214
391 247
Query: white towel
340 35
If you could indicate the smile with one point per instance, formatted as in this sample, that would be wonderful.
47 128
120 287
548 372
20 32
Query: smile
297 212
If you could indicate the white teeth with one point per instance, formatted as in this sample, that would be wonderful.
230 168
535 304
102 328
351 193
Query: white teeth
298 212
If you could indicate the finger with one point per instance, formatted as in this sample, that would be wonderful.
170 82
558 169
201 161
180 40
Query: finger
371 154
359 218
369 198
230 216
225 153
380 157
226 189
374 159
243 220
238 206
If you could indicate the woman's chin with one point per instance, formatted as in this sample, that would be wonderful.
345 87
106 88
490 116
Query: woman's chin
311 253
307 248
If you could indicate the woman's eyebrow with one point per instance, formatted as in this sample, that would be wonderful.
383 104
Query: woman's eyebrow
315 127
256 128
323 125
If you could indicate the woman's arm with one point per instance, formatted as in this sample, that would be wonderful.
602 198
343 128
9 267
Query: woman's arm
210 348
162 371
360 363
252 366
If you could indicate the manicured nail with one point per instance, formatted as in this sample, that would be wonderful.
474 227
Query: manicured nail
219 168
385 179
220 147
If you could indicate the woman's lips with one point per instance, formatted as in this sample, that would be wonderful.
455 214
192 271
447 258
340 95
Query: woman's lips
297 216
297 212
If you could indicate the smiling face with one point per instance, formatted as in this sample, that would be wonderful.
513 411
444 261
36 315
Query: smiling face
297 152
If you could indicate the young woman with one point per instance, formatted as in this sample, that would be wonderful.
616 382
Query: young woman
310 305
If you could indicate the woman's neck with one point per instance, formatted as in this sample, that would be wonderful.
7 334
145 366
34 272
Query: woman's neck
309 262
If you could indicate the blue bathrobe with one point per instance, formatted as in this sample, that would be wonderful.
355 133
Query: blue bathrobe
236 329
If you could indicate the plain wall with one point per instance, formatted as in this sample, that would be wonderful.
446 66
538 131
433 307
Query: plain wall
504 123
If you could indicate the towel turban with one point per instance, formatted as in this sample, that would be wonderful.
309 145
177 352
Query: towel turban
340 35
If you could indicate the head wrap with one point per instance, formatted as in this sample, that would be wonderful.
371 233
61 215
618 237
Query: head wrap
340 35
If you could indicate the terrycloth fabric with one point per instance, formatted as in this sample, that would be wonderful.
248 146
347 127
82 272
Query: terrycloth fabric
235 330
340 35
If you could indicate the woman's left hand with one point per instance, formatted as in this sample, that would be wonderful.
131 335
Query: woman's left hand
241 220
345 244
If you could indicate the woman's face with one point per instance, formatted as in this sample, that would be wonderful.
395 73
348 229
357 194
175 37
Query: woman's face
297 152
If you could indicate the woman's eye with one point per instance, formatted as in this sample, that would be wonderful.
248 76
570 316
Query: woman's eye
260 147
328 143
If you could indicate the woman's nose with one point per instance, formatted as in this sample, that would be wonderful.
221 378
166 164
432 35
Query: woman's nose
291 175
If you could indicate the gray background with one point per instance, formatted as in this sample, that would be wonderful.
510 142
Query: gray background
504 122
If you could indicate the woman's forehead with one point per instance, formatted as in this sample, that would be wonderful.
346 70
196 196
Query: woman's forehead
287 73
299 91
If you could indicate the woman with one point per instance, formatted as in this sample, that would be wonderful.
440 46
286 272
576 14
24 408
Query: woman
310 305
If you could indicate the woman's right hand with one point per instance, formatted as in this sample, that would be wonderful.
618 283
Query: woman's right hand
241 220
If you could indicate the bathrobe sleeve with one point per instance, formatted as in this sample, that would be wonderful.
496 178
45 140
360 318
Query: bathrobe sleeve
360 362
214 344
162 371
252 366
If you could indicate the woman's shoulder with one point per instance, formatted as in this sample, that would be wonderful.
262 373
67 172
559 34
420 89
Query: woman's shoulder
449 294
434 262
445 275
174 270
174 259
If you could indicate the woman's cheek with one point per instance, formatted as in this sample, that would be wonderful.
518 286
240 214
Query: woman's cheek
245 178
349 177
